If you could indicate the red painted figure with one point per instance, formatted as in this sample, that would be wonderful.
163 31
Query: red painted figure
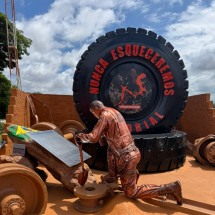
123 156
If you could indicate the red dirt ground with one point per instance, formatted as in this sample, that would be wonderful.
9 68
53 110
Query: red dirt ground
197 181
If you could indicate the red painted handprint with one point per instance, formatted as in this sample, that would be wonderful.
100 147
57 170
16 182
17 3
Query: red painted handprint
134 95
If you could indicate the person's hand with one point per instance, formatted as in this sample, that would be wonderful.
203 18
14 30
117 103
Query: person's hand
80 135
81 138
78 138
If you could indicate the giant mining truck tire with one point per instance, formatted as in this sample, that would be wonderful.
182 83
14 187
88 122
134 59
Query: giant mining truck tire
140 74
136 72
159 152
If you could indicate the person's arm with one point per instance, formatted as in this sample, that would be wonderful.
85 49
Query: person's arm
97 131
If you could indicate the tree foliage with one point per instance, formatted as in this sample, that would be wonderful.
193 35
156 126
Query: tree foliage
23 43
5 87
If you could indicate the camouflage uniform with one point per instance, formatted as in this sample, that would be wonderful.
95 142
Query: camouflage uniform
123 157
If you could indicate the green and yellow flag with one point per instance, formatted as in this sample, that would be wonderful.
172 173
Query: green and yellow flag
20 132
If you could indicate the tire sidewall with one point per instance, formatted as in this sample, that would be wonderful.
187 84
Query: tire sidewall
161 114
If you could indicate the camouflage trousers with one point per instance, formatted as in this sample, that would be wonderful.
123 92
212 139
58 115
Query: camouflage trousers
124 168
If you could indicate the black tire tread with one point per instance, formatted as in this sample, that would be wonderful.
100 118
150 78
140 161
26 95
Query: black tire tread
159 152
151 34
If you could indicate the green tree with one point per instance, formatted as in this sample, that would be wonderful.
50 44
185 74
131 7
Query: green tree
23 43
5 87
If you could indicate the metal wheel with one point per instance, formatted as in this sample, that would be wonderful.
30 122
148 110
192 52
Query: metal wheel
200 145
196 152
210 153
70 127
43 126
21 191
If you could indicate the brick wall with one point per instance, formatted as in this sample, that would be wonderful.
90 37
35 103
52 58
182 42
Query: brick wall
49 108
198 119
18 113
54 108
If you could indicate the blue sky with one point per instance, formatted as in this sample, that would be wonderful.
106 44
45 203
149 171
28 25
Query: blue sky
62 30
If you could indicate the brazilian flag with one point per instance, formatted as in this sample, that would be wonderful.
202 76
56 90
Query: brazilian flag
20 132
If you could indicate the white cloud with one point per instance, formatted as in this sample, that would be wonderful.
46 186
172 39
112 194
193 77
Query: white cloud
193 36
71 26
162 17
170 2
61 35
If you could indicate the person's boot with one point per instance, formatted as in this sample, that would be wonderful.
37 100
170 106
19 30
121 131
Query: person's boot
109 179
173 189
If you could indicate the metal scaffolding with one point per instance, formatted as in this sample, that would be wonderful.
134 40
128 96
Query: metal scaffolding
15 76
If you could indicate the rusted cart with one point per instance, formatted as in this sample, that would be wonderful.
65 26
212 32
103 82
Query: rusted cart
22 187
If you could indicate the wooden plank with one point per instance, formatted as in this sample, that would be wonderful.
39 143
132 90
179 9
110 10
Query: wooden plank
189 206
